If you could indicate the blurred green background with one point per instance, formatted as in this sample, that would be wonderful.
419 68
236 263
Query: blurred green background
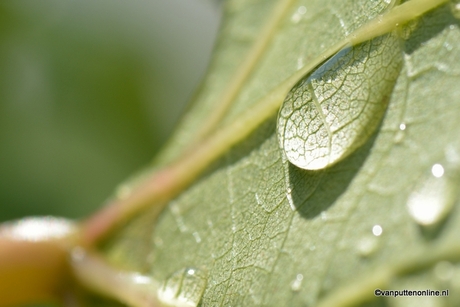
89 92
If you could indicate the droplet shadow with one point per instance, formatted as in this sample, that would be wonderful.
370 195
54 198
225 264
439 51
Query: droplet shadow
313 192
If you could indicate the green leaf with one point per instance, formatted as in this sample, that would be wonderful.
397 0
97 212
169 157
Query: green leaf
262 231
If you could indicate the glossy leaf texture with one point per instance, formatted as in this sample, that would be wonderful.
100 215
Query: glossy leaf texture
263 232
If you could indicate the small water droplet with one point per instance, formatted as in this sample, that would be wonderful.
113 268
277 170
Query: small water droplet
329 113
367 246
400 133
452 157
123 192
433 197
377 230
448 46
183 288
323 215
300 63
197 237
444 270
297 16
297 283
437 170
455 8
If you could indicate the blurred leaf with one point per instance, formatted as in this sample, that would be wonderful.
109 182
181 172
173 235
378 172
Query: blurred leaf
268 233
88 93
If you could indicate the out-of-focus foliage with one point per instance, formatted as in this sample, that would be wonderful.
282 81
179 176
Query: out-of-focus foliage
89 90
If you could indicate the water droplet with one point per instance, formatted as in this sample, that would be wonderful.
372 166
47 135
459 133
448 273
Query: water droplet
123 192
183 288
321 122
453 157
297 16
448 46
297 283
197 237
455 8
437 170
433 197
368 245
300 63
377 230
400 133
443 270
323 215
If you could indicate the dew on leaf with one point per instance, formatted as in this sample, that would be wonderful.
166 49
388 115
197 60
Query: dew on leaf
332 111
455 8
183 288
123 191
297 283
399 136
297 16
323 215
367 246
197 237
432 198
377 230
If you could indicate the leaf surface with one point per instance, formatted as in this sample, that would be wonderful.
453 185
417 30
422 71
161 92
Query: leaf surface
267 233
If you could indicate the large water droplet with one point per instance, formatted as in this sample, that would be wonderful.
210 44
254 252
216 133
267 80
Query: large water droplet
331 112
433 197
183 288
455 8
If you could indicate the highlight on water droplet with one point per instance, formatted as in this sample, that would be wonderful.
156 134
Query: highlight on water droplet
335 109
433 197
402 126
437 170
183 288
377 230
297 283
